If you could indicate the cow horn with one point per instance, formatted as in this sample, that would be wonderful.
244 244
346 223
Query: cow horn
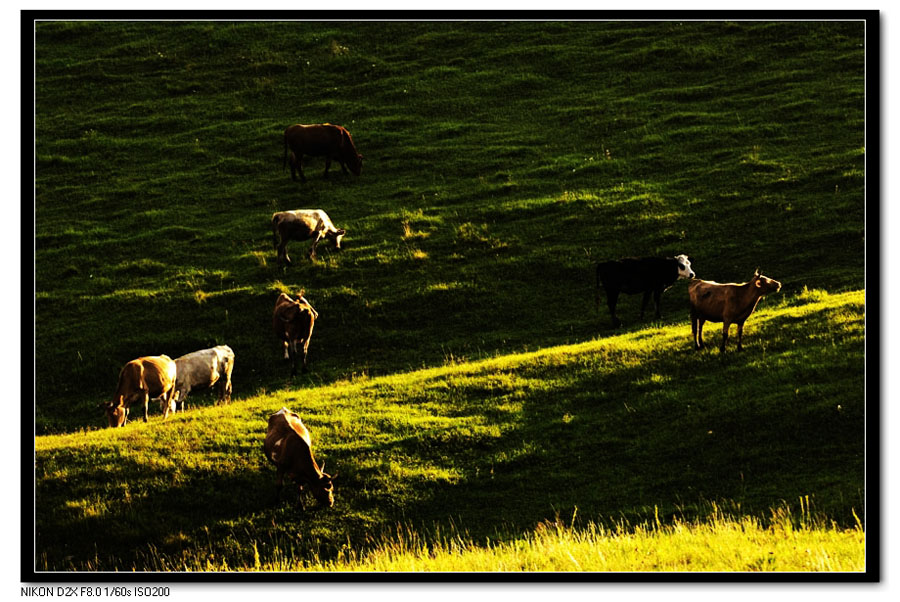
322 468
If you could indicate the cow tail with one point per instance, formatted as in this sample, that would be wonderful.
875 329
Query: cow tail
284 158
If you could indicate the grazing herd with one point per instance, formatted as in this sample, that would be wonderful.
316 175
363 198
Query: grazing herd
288 444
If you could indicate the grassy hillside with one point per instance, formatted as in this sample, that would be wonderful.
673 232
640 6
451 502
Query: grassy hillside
460 371
619 428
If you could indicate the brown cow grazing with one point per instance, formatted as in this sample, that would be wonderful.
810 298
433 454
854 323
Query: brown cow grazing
300 225
139 381
289 447
323 139
293 322
726 303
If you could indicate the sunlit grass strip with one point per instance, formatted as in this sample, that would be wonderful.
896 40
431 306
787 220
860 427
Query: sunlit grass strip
628 348
718 543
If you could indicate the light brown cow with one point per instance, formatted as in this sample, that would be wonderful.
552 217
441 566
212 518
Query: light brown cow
292 322
139 381
321 139
300 225
289 447
727 303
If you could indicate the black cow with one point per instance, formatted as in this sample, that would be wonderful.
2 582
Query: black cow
633 275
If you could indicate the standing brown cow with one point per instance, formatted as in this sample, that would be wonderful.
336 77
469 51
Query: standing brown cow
139 381
726 303
322 139
289 447
293 321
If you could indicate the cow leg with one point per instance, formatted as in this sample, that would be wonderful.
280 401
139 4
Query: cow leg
298 163
300 492
315 243
287 354
327 165
611 298
699 341
725 326
146 402
644 303
695 323
282 252
170 401
293 162
657 294
279 483
306 348
740 335
292 355
225 391
166 405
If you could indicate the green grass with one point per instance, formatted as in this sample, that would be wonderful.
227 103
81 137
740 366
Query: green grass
460 373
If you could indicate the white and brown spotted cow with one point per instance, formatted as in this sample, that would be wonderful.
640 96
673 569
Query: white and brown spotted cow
300 225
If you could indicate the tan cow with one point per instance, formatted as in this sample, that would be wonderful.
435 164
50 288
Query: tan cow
727 303
320 139
300 225
289 447
292 323
139 381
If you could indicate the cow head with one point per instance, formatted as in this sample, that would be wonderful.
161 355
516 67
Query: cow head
336 236
290 312
765 284
684 266
172 403
303 304
323 488
116 412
